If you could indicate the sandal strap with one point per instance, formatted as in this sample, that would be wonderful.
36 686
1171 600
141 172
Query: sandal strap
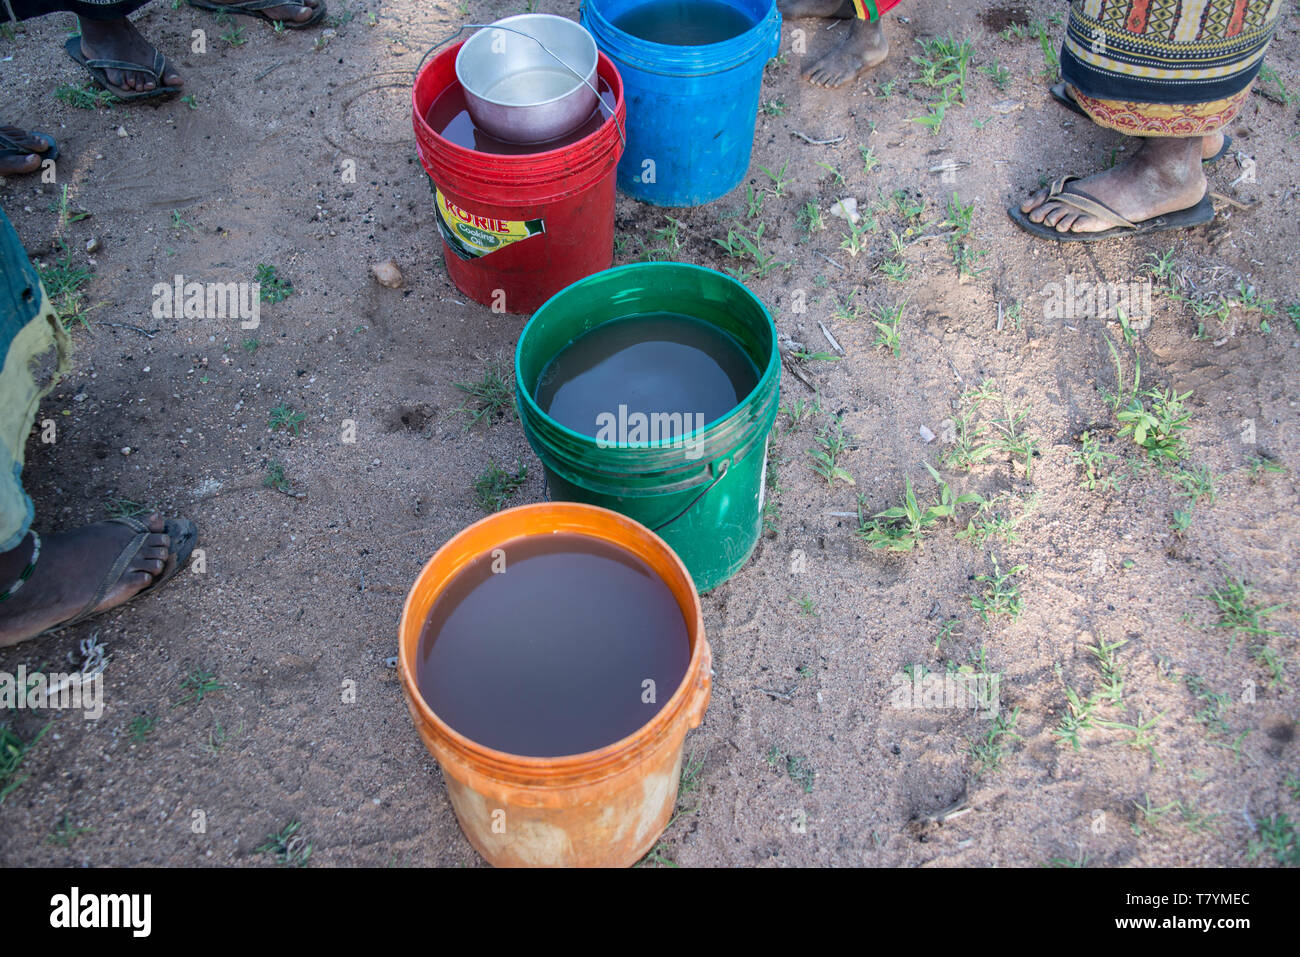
159 66
26 572
115 573
1086 204
256 6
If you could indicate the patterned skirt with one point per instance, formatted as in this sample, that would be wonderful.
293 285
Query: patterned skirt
90 9
873 10
1165 67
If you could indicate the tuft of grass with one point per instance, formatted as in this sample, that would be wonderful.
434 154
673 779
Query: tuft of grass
275 477
1092 459
825 455
494 486
1276 836
13 749
1001 593
141 727
902 527
288 846
196 686
63 282
488 397
65 832
795 766
1239 613
85 97
990 751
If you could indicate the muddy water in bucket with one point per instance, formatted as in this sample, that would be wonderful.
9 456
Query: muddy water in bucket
653 364
545 649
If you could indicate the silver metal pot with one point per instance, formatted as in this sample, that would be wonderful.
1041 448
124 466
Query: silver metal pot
529 78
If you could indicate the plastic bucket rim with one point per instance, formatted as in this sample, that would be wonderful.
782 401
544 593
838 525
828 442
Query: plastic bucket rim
772 370
642 738
591 75
532 158
650 56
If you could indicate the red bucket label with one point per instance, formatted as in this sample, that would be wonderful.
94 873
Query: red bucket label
472 236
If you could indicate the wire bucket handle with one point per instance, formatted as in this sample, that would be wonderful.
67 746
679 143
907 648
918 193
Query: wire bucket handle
622 134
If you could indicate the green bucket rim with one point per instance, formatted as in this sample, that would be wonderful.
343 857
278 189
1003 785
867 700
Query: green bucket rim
765 379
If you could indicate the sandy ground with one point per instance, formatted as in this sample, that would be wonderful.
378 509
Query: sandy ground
804 758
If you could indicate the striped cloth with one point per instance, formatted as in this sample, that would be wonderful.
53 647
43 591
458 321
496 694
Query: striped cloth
873 10
1165 67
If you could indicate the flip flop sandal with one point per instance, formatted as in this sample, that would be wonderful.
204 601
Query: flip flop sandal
1195 215
97 69
1061 96
255 8
10 147
184 535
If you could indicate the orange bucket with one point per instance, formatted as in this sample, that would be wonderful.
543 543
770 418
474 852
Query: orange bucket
603 808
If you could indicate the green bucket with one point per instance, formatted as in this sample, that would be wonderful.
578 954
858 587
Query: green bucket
702 491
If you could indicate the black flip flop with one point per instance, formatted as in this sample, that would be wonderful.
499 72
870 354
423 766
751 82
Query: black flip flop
1062 96
1195 215
98 67
183 535
255 8
9 146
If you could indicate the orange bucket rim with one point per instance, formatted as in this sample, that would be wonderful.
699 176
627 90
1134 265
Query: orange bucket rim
642 737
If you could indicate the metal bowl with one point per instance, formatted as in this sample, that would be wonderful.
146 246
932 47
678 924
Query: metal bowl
518 91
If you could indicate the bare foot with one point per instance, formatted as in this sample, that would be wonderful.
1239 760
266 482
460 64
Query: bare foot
289 12
29 162
1164 175
836 9
120 40
863 48
1210 145
68 572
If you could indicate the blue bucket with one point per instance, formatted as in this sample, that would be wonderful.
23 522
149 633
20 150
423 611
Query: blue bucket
691 110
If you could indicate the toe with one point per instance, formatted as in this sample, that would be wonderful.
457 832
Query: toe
1055 215
1033 202
156 523
152 566
1064 224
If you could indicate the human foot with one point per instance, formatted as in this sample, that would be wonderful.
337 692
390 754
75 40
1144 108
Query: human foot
863 48
23 150
120 40
73 566
293 13
837 9
1163 176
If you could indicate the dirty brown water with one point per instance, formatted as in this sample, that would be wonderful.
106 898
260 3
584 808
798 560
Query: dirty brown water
650 363
544 649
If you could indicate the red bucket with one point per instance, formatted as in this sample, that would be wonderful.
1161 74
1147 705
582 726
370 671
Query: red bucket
554 210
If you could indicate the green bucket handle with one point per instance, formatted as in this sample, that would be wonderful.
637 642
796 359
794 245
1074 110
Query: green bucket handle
721 469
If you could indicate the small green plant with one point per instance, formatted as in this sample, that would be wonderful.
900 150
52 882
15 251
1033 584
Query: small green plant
997 518
1092 459
1001 593
807 607
1239 613
141 727
495 486
990 751
886 319
836 177
196 686
251 346
65 832
63 282
235 36
795 766
488 397
288 846
1261 464
85 97
1276 836
13 749
275 477
126 508
810 218
999 74
284 418
272 288
774 108
831 444
869 159
780 179
902 527
959 221
754 199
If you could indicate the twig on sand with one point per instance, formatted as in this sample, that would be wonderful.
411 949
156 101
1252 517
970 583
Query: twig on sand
829 260
808 139
147 333
265 73
830 338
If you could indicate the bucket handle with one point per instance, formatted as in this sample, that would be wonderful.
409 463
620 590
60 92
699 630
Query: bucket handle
622 134
722 472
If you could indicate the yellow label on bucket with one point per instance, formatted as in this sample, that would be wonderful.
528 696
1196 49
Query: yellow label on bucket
472 236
